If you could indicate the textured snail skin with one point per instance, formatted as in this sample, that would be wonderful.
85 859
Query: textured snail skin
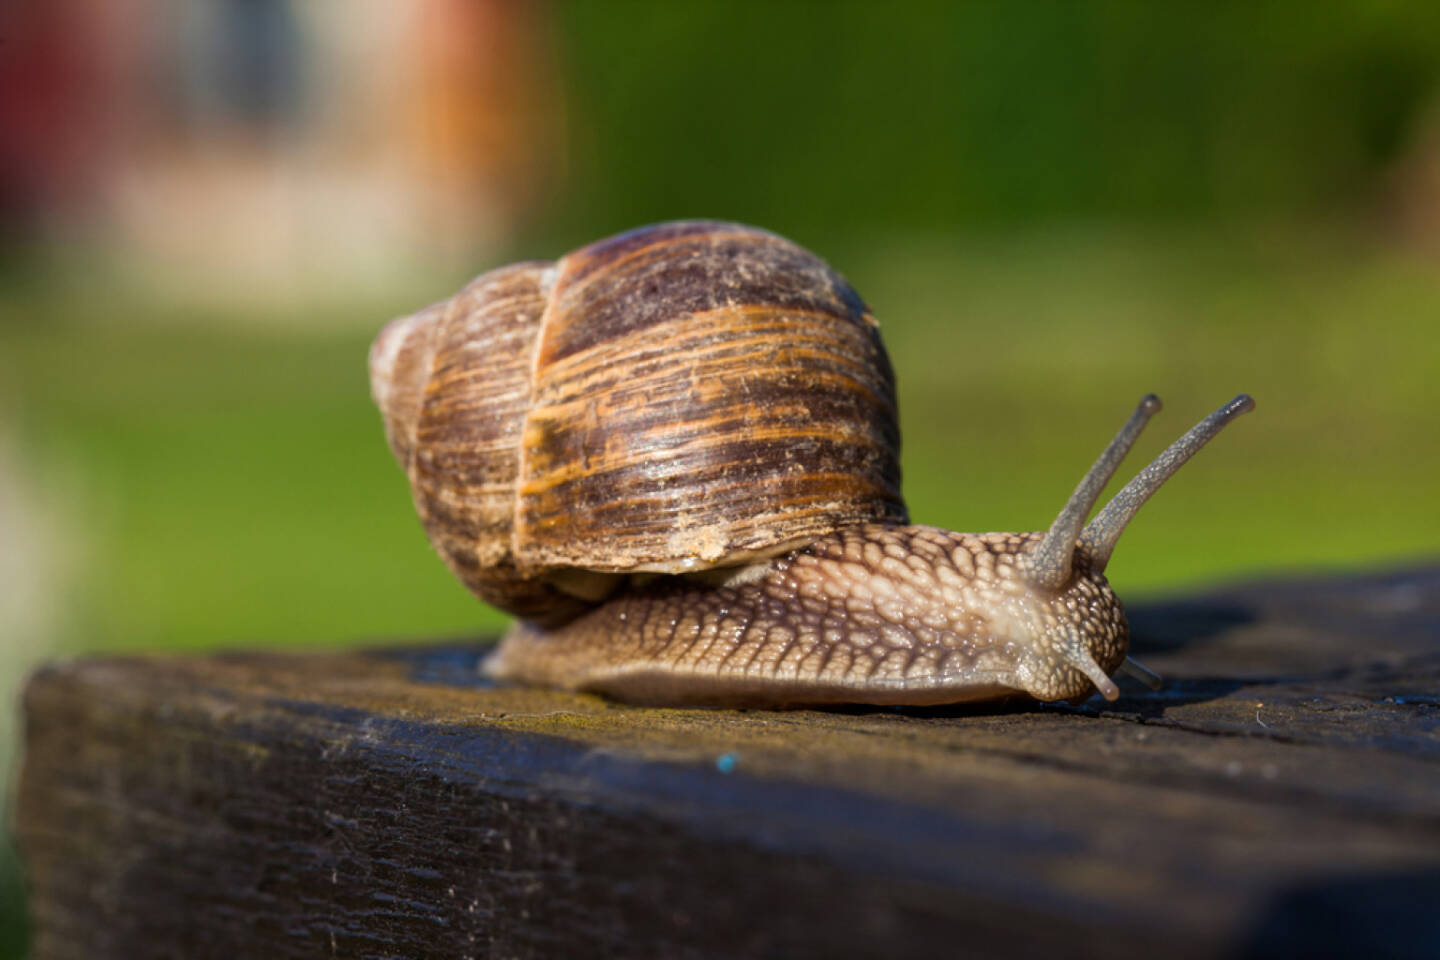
875 613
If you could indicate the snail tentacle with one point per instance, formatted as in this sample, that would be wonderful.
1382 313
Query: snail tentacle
1101 534
1050 562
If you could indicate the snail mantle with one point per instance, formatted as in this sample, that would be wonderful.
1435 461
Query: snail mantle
1277 798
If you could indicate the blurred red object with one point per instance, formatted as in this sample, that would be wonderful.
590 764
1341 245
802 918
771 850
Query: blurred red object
53 92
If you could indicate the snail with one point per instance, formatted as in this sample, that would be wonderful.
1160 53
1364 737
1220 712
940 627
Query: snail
672 455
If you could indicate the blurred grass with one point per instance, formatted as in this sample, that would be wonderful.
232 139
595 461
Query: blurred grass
229 484
1033 350
825 117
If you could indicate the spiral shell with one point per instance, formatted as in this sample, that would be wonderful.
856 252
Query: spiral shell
676 398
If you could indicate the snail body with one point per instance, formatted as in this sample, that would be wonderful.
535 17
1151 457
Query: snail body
673 456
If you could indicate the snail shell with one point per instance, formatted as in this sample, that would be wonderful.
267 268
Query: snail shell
674 455
672 399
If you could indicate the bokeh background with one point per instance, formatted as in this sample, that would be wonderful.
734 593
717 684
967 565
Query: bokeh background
208 208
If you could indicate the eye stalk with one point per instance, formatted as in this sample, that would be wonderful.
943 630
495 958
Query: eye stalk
1100 535
1051 560
1050 563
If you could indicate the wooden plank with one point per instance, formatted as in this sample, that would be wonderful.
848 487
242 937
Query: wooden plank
1282 793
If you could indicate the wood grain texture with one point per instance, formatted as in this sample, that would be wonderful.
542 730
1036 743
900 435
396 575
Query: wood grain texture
1280 796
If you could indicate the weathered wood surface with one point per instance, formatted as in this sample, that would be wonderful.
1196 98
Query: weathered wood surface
1280 796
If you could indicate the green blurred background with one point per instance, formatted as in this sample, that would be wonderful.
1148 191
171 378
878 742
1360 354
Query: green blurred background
209 208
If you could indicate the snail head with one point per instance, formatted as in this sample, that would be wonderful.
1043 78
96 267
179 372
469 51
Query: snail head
1073 554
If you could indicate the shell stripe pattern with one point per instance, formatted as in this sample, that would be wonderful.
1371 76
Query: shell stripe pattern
714 392
678 397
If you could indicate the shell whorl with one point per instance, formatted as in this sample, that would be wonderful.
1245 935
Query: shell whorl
674 398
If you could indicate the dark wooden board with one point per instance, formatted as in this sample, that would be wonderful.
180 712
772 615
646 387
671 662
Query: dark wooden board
1280 795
